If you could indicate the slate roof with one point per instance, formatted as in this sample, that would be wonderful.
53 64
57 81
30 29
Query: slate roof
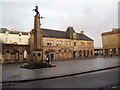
53 33
115 30
50 33
3 30
62 34
83 37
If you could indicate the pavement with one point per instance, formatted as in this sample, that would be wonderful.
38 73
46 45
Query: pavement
13 72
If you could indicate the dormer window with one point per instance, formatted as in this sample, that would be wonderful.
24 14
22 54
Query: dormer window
74 35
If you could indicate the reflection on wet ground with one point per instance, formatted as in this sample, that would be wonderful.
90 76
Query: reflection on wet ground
13 72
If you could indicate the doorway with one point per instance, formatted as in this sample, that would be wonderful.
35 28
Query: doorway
74 54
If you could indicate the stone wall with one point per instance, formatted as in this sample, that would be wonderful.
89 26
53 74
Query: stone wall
12 53
68 51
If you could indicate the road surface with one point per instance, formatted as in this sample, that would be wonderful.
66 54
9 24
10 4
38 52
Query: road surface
92 80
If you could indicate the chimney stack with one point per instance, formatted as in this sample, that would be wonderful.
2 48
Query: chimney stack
81 32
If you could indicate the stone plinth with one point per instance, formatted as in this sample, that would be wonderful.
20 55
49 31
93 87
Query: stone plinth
37 55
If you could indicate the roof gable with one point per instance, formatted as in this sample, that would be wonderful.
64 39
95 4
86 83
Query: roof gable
69 32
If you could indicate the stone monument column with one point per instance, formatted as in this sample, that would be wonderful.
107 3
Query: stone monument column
37 51
37 33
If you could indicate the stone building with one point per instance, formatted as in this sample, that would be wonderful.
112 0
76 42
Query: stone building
110 42
64 44
15 47
58 44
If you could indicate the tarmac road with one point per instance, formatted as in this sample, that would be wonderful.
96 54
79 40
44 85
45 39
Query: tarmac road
92 80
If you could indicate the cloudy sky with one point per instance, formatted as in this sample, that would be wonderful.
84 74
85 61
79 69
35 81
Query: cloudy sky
91 16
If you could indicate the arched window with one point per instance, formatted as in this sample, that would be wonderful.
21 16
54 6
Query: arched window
84 53
80 53
87 52
7 55
91 52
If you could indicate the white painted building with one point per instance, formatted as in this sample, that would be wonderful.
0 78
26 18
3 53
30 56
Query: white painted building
14 37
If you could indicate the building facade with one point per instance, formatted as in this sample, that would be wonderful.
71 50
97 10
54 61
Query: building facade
14 45
65 44
111 42
60 45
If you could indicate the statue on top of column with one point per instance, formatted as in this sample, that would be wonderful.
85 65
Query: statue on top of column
36 10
